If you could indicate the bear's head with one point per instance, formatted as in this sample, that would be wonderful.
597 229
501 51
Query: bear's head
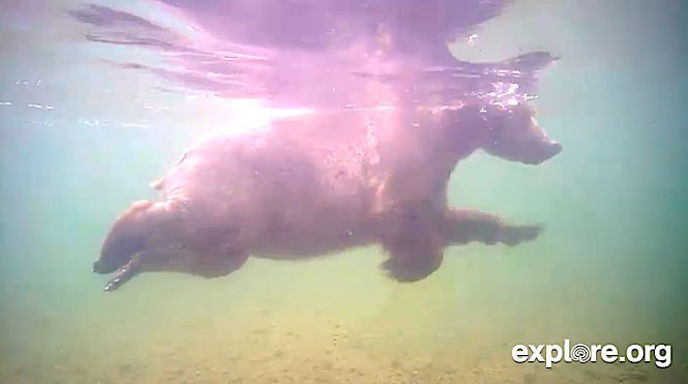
143 227
512 133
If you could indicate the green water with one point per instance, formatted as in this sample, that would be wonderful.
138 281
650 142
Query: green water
610 268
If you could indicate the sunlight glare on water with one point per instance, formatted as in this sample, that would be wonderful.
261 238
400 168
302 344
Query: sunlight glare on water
98 99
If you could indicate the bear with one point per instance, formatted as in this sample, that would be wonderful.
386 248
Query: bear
314 184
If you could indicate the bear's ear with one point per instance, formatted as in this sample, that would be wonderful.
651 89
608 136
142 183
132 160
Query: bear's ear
140 205
136 208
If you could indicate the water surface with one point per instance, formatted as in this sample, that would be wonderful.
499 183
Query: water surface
81 139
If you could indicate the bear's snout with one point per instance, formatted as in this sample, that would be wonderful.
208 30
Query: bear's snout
554 149
99 268
545 153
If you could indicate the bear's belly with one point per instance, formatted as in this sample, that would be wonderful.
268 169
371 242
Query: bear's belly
309 243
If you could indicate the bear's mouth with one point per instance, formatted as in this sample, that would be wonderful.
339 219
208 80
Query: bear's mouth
551 150
122 274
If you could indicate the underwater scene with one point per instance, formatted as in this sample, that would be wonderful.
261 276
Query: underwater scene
343 191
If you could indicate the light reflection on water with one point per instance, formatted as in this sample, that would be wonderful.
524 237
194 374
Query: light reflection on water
81 138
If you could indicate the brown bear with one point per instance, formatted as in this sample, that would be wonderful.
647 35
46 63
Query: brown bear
315 184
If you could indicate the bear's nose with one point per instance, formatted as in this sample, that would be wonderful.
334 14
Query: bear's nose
554 149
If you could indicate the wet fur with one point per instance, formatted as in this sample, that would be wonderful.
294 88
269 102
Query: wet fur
317 184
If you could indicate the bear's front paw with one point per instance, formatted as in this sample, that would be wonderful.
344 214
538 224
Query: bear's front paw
408 270
514 235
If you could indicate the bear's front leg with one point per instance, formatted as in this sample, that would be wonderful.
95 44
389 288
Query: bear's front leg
415 247
412 259
463 225
217 265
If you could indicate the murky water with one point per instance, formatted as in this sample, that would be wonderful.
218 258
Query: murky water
81 139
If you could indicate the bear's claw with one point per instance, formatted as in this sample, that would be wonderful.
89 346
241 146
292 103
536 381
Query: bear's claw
522 233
